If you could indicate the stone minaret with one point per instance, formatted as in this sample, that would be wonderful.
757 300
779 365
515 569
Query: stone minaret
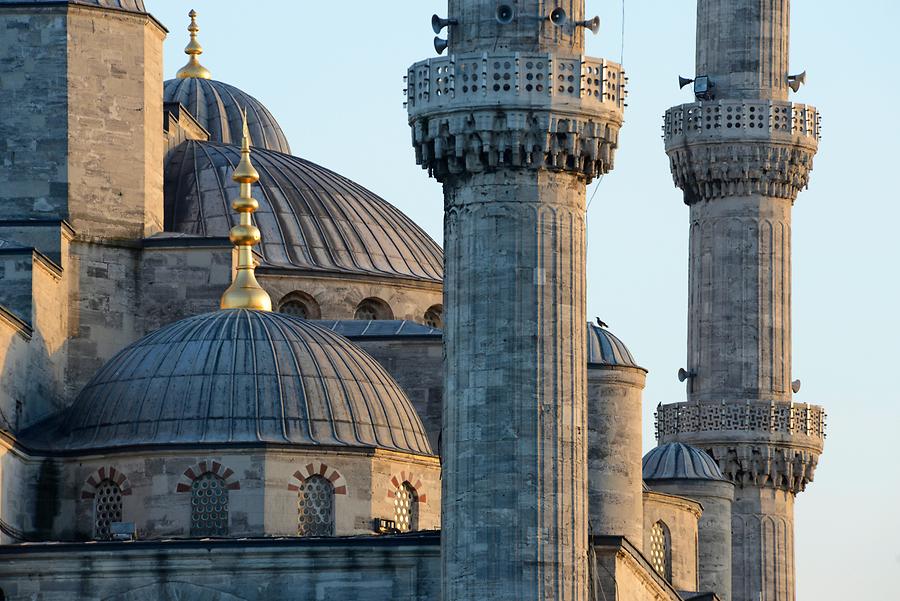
514 122
741 154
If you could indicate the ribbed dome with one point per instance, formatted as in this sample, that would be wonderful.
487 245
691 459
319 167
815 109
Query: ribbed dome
217 107
242 376
606 349
677 461
311 218
133 6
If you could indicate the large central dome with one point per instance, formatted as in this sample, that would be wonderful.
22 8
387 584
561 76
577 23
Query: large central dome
237 377
311 218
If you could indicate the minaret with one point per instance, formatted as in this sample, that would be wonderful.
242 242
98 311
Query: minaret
514 122
741 153
245 292
193 68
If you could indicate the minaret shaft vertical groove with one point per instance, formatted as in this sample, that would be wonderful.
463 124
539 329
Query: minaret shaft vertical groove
515 121
741 154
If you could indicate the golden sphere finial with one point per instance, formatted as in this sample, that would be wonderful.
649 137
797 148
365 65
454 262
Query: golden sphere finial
193 68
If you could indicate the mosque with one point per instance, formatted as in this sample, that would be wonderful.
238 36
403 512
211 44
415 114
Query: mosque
230 374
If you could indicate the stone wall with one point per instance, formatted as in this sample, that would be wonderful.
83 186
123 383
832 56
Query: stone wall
357 569
263 487
417 364
338 296
681 517
33 343
615 502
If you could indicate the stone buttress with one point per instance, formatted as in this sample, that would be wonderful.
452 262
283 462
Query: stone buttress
741 153
514 122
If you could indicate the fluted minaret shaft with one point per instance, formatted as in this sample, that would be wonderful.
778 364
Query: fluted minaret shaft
744 47
741 154
515 122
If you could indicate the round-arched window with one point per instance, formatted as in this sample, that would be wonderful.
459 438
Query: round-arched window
315 507
661 550
434 317
209 506
107 508
406 508
373 308
300 304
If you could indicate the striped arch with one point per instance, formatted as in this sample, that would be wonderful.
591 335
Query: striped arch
89 488
213 467
397 481
318 469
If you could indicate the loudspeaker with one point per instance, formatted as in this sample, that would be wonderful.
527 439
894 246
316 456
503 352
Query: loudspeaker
683 81
592 24
440 45
795 81
438 24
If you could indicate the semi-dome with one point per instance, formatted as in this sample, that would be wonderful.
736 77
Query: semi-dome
217 107
242 377
605 349
677 461
311 218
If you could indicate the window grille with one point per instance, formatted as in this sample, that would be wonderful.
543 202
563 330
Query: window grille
661 550
434 318
209 506
107 508
406 508
295 308
316 507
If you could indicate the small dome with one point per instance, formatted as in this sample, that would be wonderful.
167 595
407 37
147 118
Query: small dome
239 376
132 6
311 218
217 107
604 349
677 461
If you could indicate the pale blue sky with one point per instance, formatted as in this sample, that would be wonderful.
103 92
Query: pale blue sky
331 73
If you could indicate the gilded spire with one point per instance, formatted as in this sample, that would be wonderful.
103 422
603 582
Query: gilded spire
193 50
245 292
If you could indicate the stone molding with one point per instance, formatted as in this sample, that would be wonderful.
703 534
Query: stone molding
207 467
89 488
766 466
317 468
476 112
738 148
397 481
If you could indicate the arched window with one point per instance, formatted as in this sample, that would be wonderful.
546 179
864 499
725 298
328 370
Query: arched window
373 308
107 508
209 506
661 550
315 507
406 508
434 317
300 304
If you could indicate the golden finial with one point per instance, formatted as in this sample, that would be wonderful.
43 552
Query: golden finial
245 292
193 50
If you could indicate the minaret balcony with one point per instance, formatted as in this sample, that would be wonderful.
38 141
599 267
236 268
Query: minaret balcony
475 112
759 443
722 120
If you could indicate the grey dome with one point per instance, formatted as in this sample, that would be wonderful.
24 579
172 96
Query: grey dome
677 461
238 377
132 6
311 218
605 349
217 107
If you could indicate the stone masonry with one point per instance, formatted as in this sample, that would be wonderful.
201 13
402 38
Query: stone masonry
741 153
514 122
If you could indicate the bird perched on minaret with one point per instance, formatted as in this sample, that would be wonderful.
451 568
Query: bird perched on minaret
601 323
